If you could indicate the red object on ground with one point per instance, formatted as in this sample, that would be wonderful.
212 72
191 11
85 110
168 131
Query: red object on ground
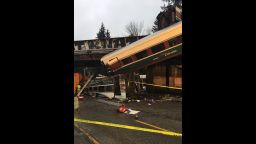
122 109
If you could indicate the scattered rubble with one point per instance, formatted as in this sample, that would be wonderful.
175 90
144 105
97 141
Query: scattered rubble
156 99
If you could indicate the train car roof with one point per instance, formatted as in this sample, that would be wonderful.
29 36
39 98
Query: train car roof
105 57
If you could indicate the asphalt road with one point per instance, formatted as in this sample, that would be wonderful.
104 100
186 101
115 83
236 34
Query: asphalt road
79 137
158 115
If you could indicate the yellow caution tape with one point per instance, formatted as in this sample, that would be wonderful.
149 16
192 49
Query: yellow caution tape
129 127
152 125
158 85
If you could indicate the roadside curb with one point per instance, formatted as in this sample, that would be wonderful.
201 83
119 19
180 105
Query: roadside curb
91 139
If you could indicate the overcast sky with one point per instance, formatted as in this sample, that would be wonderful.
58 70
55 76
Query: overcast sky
115 14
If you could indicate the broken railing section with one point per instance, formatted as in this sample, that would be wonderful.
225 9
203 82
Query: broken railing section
103 44
86 83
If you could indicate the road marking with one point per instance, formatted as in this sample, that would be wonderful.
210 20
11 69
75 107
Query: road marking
91 139
129 127
152 125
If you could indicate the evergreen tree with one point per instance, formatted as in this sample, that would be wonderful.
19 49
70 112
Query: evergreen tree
155 26
107 34
101 34
165 8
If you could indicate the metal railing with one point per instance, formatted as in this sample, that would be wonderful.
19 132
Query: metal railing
94 51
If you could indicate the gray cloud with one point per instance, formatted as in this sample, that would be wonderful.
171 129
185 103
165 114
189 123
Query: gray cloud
115 14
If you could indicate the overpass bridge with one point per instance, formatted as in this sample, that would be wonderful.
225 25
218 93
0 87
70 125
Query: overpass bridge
87 53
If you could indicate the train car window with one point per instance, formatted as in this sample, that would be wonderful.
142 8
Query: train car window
141 54
175 41
172 42
127 60
179 39
157 48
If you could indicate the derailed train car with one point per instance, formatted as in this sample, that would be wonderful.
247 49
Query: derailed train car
162 45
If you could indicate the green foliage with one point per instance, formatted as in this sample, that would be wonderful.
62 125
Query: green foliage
165 7
103 33
107 34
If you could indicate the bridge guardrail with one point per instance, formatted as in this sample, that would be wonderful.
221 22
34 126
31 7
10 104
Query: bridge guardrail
105 51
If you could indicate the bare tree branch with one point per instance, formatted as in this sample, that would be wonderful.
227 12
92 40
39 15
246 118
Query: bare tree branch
134 29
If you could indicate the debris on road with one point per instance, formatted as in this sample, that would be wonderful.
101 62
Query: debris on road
122 109
132 112
172 98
